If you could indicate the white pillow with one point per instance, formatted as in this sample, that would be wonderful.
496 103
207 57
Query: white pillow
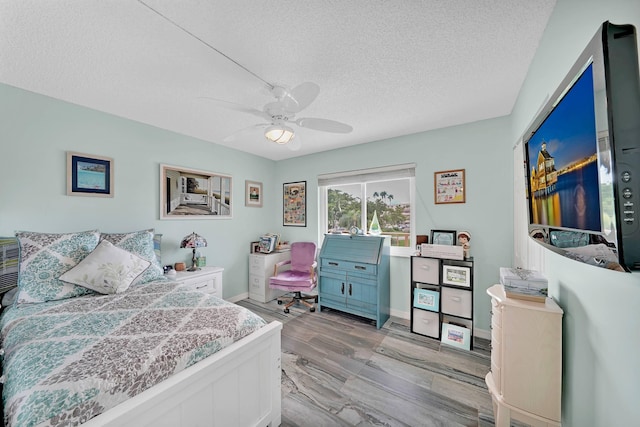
107 270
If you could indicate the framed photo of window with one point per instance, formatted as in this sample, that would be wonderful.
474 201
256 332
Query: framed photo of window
448 186
443 237
294 204
89 175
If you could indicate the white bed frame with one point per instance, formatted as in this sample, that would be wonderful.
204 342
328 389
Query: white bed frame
237 386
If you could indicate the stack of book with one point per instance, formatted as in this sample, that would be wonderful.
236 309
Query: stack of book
529 285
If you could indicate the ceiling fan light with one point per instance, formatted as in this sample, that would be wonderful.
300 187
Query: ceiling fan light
279 134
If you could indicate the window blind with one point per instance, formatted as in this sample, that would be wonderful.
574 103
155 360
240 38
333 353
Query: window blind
407 170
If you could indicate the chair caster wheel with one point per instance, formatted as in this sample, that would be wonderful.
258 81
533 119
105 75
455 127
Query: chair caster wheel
286 310
279 302
312 309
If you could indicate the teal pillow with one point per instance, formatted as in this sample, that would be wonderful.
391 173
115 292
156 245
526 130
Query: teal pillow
139 243
44 257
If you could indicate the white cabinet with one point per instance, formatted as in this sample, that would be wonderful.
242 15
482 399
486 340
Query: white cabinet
260 269
207 279
525 381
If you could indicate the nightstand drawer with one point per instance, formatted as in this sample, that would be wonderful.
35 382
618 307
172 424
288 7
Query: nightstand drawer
208 286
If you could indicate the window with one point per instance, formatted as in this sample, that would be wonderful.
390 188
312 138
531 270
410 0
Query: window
352 198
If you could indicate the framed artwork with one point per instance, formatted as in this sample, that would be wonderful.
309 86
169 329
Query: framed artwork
455 275
253 194
448 186
295 204
427 299
456 336
443 237
194 194
89 175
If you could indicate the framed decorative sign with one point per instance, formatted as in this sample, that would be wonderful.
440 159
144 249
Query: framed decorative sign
456 336
295 204
427 299
253 194
443 237
457 276
89 175
448 186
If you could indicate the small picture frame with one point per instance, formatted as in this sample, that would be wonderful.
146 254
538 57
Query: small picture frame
443 237
456 275
448 186
456 336
426 299
254 247
89 175
253 194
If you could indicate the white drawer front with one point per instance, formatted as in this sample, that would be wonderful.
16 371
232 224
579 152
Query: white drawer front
426 322
256 284
456 302
206 285
426 270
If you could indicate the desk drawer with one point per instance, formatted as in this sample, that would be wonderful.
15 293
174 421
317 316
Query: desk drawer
348 266
456 302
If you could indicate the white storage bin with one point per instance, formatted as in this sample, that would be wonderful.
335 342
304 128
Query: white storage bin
426 323
426 270
457 302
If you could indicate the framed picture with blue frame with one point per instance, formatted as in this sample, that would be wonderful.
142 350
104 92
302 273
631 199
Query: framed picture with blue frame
426 299
89 175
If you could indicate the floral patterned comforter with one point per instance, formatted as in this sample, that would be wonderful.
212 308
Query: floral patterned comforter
70 360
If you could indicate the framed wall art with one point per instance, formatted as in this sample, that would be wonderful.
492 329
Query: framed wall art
448 186
455 275
295 204
456 336
443 237
427 299
194 194
89 175
253 194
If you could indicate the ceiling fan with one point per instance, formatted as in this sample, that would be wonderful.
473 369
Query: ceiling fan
280 115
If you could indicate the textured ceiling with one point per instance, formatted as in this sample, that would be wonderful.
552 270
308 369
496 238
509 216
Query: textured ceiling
387 68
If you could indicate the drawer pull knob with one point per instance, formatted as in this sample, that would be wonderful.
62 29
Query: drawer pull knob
334 264
359 267
425 267
350 289
201 286
456 299
342 288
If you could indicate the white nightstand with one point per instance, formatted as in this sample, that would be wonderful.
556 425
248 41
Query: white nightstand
207 279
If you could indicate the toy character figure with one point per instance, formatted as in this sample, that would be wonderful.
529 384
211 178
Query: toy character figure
463 240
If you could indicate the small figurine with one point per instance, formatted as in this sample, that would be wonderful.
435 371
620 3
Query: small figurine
463 240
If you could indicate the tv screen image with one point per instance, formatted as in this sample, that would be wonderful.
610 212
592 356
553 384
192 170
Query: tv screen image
563 183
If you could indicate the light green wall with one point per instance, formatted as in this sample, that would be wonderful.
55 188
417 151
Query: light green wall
481 148
601 381
36 132
601 377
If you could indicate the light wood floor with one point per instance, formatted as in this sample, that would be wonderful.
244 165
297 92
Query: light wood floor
339 370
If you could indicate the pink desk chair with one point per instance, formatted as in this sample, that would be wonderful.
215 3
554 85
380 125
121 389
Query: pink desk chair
301 277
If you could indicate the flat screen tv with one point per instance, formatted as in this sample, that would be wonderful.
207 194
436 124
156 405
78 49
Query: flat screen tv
582 156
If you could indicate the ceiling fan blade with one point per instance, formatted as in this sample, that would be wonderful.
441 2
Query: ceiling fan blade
237 107
299 98
248 132
295 144
324 125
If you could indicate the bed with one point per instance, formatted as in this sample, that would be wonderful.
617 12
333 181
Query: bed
156 353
